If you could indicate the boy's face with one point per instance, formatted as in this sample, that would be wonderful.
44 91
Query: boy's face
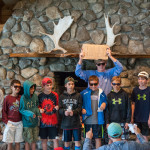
101 66
142 81
93 85
70 86
16 88
116 85
48 87
32 89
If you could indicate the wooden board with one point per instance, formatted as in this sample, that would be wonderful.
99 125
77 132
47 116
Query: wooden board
95 52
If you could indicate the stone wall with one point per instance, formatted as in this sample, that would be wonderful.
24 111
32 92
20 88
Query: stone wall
21 35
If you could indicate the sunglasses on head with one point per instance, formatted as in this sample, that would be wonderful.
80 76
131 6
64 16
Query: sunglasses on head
15 86
116 84
95 84
99 64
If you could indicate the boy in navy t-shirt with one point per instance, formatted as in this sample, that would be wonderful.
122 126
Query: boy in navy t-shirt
141 104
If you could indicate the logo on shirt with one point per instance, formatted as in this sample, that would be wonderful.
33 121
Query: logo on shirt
15 106
117 101
141 97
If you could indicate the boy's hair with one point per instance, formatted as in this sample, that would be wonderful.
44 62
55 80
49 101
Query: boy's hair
117 78
15 81
97 61
93 78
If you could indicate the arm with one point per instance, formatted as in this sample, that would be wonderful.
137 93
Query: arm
132 115
4 112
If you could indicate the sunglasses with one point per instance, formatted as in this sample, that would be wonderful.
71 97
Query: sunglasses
115 84
91 84
15 86
99 64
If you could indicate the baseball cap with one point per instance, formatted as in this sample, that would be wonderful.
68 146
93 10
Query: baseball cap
46 81
114 130
68 79
143 74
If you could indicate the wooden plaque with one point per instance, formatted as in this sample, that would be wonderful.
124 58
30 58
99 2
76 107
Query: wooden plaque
95 52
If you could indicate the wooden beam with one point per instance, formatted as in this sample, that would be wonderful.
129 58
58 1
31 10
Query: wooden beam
73 55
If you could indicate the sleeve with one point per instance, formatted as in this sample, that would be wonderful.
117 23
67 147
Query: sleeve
81 73
78 110
22 109
61 109
128 109
1 101
115 71
4 112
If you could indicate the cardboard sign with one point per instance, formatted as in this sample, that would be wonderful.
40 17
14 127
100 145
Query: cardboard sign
95 52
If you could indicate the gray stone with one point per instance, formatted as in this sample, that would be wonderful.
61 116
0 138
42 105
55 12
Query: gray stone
124 74
141 16
6 83
9 24
3 146
137 2
43 71
17 14
7 92
91 26
111 9
25 26
19 5
3 73
71 68
126 28
82 22
28 15
99 15
43 18
49 26
37 79
6 34
16 28
133 11
10 75
146 30
66 36
7 51
75 15
137 28
128 20
111 1
126 4
41 5
16 69
98 7
53 13
66 13
1 52
136 47
115 19
9 65
21 39
21 50
117 29
79 5
71 46
49 44
50 74
101 24
28 72
20 78
36 27
37 45
136 36
6 42
97 36
132 62
118 40
147 43
23 63
121 49
122 11
35 63
125 39
125 82
4 60
42 61
89 15
15 60
145 5
64 6
91 1
84 36
57 67
73 30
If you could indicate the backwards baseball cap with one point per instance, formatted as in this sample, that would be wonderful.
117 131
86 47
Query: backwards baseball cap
46 81
143 74
68 79
114 130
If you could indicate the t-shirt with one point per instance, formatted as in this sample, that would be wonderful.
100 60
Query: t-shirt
93 119
142 104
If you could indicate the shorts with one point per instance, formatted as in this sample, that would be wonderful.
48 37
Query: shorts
98 131
68 133
143 126
125 135
48 132
13 132
31 134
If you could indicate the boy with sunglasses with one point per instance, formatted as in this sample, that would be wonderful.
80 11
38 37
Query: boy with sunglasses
104 76
12 117
94 102
119 107
70 104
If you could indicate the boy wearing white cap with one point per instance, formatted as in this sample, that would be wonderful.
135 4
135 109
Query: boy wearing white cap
141 104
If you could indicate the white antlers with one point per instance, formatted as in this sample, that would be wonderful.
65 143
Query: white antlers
59 30
110 35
